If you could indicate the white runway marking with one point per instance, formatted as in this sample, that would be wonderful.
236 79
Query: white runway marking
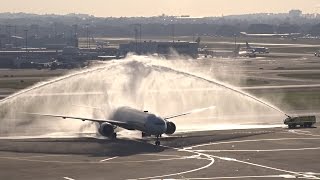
67 178
243 177
159 155
251 140
301 132
310 173
255 150
189 171
40 156
29 158
156 160
106 160
291 174
103 160
262 166
200 154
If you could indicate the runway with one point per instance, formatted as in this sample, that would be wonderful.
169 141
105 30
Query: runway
272 153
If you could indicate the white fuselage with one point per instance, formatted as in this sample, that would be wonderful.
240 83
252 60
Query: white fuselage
139 120
260 49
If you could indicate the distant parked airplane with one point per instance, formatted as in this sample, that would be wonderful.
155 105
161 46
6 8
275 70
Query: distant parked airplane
244 53
256 49
285 35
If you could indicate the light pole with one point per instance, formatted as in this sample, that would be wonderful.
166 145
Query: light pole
136 39
87 27
235 44
140 32
235 41
0 40
236 51
173 32
75 35
15 34
26 32
8 28
138 50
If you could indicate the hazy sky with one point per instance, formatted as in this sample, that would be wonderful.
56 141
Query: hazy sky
118 8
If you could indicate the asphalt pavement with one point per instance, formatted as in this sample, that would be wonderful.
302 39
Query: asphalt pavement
271 153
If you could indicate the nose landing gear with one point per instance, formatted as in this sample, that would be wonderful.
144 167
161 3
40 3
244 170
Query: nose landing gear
157 143
113 136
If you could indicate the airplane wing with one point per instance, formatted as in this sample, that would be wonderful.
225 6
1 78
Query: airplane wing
189 112
116 123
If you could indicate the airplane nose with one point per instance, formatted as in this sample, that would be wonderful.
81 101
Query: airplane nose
160 127
163 128
157 126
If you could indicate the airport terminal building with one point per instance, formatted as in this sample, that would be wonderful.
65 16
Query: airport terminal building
162 48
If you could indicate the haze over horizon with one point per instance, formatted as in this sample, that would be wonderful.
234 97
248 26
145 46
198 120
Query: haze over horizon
129 8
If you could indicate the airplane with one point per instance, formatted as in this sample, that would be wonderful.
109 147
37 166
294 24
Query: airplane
100 43
244 53
257 49
53 65
275 35
132 119
198 40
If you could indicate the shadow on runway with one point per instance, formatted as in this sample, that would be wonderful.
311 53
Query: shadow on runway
89 146
121 147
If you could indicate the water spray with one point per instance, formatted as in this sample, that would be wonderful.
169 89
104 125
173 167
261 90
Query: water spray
287 115
224 86
135 78
40 85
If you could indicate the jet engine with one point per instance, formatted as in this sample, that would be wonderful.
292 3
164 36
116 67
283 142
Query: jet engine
171 127
106 129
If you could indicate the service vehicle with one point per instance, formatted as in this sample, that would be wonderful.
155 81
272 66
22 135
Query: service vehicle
301 121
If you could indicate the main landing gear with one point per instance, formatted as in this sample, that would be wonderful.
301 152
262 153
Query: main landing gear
114 136
157 143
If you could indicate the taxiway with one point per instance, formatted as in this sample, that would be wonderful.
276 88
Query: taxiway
272 153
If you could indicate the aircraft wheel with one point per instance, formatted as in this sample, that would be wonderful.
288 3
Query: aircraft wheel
157 143
114 136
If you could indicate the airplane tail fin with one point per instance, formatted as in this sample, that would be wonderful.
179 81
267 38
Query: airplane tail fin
247 44
198 40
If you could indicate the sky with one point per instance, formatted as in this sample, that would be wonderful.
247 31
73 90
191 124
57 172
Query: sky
196 8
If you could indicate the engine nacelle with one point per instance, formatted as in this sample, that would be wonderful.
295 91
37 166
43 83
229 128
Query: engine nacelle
171 128
106 129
